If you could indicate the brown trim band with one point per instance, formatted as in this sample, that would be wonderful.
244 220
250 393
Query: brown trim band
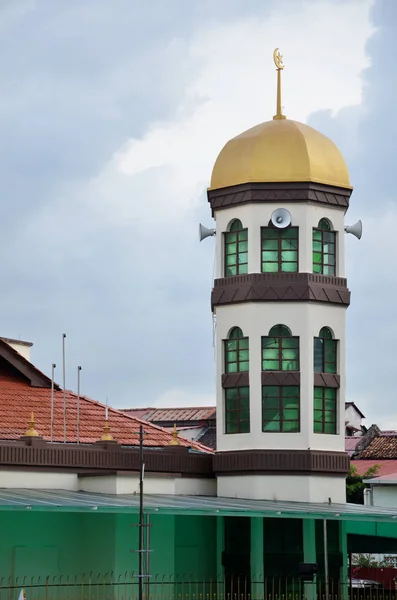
284 287
231 380
328 380
311 193
281 461
281 377
34 452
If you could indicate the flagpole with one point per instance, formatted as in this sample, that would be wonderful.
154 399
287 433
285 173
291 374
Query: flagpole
64 386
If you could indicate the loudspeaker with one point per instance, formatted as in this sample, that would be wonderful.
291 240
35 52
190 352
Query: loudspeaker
204 232
281 217
356 229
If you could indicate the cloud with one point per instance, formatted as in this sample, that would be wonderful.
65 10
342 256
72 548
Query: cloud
114 128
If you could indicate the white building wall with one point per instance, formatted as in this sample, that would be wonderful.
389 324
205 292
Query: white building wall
294 488
304 320
36 480
304 216
353 417
385 495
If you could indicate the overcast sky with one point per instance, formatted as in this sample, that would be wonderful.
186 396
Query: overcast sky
111 117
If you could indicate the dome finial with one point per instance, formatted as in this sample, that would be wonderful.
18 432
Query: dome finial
278 61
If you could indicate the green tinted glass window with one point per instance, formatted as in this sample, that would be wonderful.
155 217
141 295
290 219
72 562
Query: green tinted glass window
280 350
325 410
324 249
237 410
280 409
236 250
279 250
325 352
236 352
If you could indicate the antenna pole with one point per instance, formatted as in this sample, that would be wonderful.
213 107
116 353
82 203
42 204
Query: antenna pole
52 401
64 386
78 403
141 514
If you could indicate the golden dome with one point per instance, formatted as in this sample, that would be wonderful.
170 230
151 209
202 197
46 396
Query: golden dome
280 151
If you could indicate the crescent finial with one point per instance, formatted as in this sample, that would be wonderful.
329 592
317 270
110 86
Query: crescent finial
278 61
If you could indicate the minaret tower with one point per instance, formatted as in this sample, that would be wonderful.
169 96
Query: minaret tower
279 193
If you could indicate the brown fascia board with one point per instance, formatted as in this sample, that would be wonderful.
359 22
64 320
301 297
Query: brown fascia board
37 453
105 458
36 377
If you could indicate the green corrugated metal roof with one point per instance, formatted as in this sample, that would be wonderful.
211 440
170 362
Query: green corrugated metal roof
67 501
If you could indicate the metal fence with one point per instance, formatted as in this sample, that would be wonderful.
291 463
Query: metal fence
125 586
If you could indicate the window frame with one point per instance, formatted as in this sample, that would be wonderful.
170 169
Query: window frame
280 349
278 236
281 398
241 268
327 344
324 227
243 425
240 342
322 422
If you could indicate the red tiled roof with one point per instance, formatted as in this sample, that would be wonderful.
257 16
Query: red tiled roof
386 467
351 443
173 415
381 447
18 399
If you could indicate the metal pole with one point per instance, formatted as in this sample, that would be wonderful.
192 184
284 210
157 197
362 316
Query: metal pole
64 387
148 555
326 560
52 401
78 403
141 515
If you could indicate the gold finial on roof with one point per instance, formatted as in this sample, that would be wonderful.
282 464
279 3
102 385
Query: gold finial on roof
174 440
106 437
31 432
278 61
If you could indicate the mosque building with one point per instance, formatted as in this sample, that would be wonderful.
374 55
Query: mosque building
271 501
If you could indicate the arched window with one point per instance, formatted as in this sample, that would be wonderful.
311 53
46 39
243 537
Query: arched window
280 350
236 352
279 249
236 250
324 252
325 352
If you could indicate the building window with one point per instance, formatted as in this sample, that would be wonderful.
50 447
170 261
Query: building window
280 408
279 250
325 410
236 352
325 352
237 410
324 249
280 350
236 250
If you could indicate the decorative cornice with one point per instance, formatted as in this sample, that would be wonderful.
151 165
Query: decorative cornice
311 193
284 287
298 462
328 380
101 456
230 380
281 378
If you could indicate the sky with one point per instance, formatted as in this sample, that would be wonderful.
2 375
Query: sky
111 117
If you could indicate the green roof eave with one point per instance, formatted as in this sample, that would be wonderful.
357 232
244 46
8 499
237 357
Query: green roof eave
67 501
